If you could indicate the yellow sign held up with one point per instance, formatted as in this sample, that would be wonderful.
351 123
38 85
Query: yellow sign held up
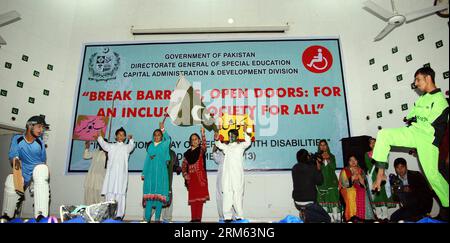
229 122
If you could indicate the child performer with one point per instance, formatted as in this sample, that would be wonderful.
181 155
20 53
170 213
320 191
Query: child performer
116 178
233 174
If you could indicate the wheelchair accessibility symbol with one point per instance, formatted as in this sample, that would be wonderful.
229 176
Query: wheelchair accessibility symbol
317 59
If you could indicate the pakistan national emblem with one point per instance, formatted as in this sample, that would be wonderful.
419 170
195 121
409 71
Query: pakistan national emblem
103 65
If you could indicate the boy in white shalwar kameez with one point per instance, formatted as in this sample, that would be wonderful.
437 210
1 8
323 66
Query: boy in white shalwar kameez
217 157
116 178
233 174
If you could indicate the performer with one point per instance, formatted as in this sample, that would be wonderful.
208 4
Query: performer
353 191
327 192
218 157
233 174
428 120
28 151
116 178
95 176
194 172
380 200
155 175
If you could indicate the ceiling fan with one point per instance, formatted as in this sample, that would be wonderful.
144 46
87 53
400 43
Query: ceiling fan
395 19
8 18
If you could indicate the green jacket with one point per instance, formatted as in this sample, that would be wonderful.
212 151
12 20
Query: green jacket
431 112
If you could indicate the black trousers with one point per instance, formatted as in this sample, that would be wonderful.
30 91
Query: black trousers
407 215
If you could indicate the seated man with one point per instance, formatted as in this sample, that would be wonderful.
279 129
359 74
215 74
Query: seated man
306 176
412 191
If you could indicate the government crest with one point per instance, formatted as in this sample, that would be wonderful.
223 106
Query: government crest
103 65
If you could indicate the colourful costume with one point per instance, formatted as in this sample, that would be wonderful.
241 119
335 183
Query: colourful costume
380 200
327 192
356 199
431 113
194 167
155 176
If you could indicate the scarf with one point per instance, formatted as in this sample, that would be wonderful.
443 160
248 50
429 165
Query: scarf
192 155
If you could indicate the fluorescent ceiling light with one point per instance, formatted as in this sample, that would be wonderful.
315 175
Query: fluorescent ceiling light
211 30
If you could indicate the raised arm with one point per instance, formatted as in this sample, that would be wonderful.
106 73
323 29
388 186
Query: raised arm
203 139
217 142
130 145
166 139
105 146
248 140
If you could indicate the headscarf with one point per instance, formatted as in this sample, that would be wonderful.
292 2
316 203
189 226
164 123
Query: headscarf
192 155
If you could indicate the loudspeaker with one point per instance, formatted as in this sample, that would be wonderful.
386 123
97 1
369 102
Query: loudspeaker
355 146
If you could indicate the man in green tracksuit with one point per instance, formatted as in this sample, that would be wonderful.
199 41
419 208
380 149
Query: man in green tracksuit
428 121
